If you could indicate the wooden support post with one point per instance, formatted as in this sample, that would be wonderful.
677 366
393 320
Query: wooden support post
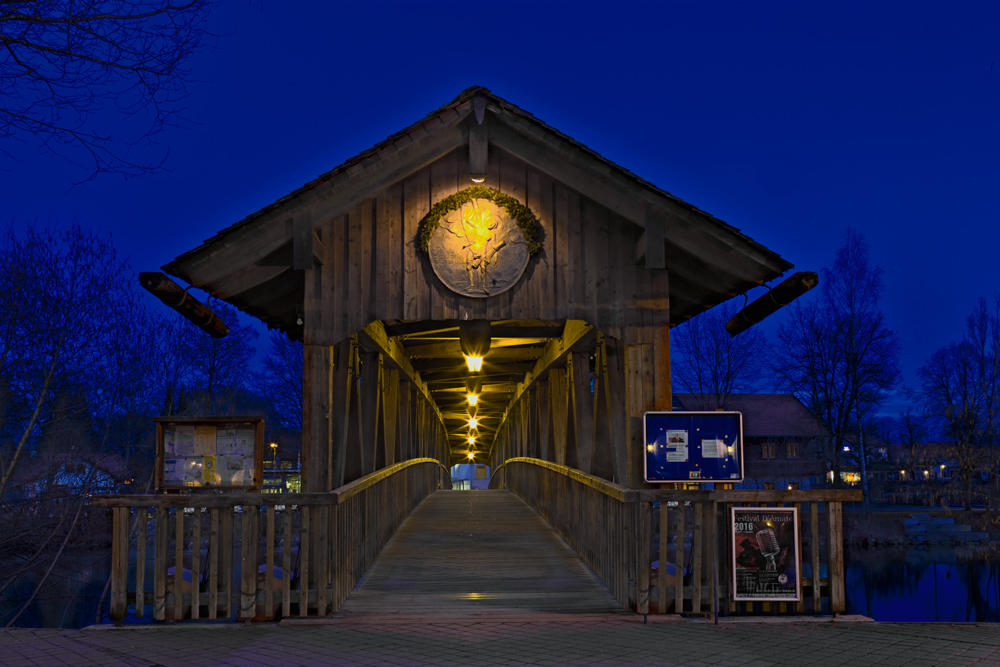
286 564
178 564
269 565
697 554
226 560
544 420
390 412
644 544
560 413
323 566
679 559
343 381
800 606
213 563
315 418
196 565
661 366
404 428
304 562
814 552
639 399
835 557
160 565
119 564
248 566
661 575
578 366
615 393
369 404
140 562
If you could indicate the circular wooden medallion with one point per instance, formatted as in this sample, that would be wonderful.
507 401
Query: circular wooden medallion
478 250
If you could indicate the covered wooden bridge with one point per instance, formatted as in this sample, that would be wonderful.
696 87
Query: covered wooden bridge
478 235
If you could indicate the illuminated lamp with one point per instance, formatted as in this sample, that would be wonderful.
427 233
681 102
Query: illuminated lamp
471 456
474 338
473 399
478 179
472 439
473 422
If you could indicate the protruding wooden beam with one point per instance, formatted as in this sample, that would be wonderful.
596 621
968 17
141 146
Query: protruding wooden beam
478 150
782 295
655 238
175 296
302 240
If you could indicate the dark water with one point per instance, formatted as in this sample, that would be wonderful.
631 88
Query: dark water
933 584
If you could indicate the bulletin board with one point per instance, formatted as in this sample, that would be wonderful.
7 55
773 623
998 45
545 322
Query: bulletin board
693 446
209 452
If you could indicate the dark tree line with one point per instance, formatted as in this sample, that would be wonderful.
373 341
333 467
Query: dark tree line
87 358
835 352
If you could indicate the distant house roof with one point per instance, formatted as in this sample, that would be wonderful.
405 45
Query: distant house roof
763 414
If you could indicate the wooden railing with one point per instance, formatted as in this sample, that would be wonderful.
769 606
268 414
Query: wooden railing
614 530
314 546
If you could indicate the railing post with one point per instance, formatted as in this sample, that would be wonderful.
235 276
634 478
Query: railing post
644 545
119 564
140 562
160 565
835 557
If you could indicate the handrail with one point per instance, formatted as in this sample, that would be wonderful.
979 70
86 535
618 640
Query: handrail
702 495
335 497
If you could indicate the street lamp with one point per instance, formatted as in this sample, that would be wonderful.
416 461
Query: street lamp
274 455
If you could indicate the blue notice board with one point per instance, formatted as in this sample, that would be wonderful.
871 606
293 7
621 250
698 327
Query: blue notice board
693 446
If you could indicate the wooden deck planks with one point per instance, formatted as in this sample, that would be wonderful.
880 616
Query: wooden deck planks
477 552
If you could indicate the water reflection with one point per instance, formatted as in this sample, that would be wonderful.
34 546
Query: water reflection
942 584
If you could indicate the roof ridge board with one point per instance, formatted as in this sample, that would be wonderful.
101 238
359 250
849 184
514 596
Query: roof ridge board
465 98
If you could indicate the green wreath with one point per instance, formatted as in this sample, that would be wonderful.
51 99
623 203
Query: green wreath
522 215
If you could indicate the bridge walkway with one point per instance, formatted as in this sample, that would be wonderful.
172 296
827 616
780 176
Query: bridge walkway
478 553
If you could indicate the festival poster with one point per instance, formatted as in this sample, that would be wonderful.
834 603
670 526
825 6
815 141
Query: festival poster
765 554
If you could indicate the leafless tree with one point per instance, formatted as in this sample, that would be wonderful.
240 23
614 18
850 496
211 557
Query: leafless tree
220 367
64 63
961 387
281 379
836 353
710 362
71 374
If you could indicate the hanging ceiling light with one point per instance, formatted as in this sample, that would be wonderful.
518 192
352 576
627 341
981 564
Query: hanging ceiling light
474 338
473 399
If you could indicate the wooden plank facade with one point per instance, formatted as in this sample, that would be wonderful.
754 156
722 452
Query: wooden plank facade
581 341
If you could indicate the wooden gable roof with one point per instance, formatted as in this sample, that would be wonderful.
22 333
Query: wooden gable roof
251 263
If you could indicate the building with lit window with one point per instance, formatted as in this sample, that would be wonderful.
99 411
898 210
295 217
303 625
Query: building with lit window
782 441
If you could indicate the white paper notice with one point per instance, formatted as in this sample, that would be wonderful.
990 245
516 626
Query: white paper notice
204 440
677 446
713 449
245 439
168 443
225 443
184 441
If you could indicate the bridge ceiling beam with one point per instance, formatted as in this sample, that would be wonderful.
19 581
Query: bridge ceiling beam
577 336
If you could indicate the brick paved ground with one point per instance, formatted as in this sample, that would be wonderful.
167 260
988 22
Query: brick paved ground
589 640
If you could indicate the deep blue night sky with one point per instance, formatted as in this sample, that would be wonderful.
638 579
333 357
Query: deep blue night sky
790 121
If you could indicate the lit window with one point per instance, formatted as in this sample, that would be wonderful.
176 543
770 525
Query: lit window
792 450
767 450
769 486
